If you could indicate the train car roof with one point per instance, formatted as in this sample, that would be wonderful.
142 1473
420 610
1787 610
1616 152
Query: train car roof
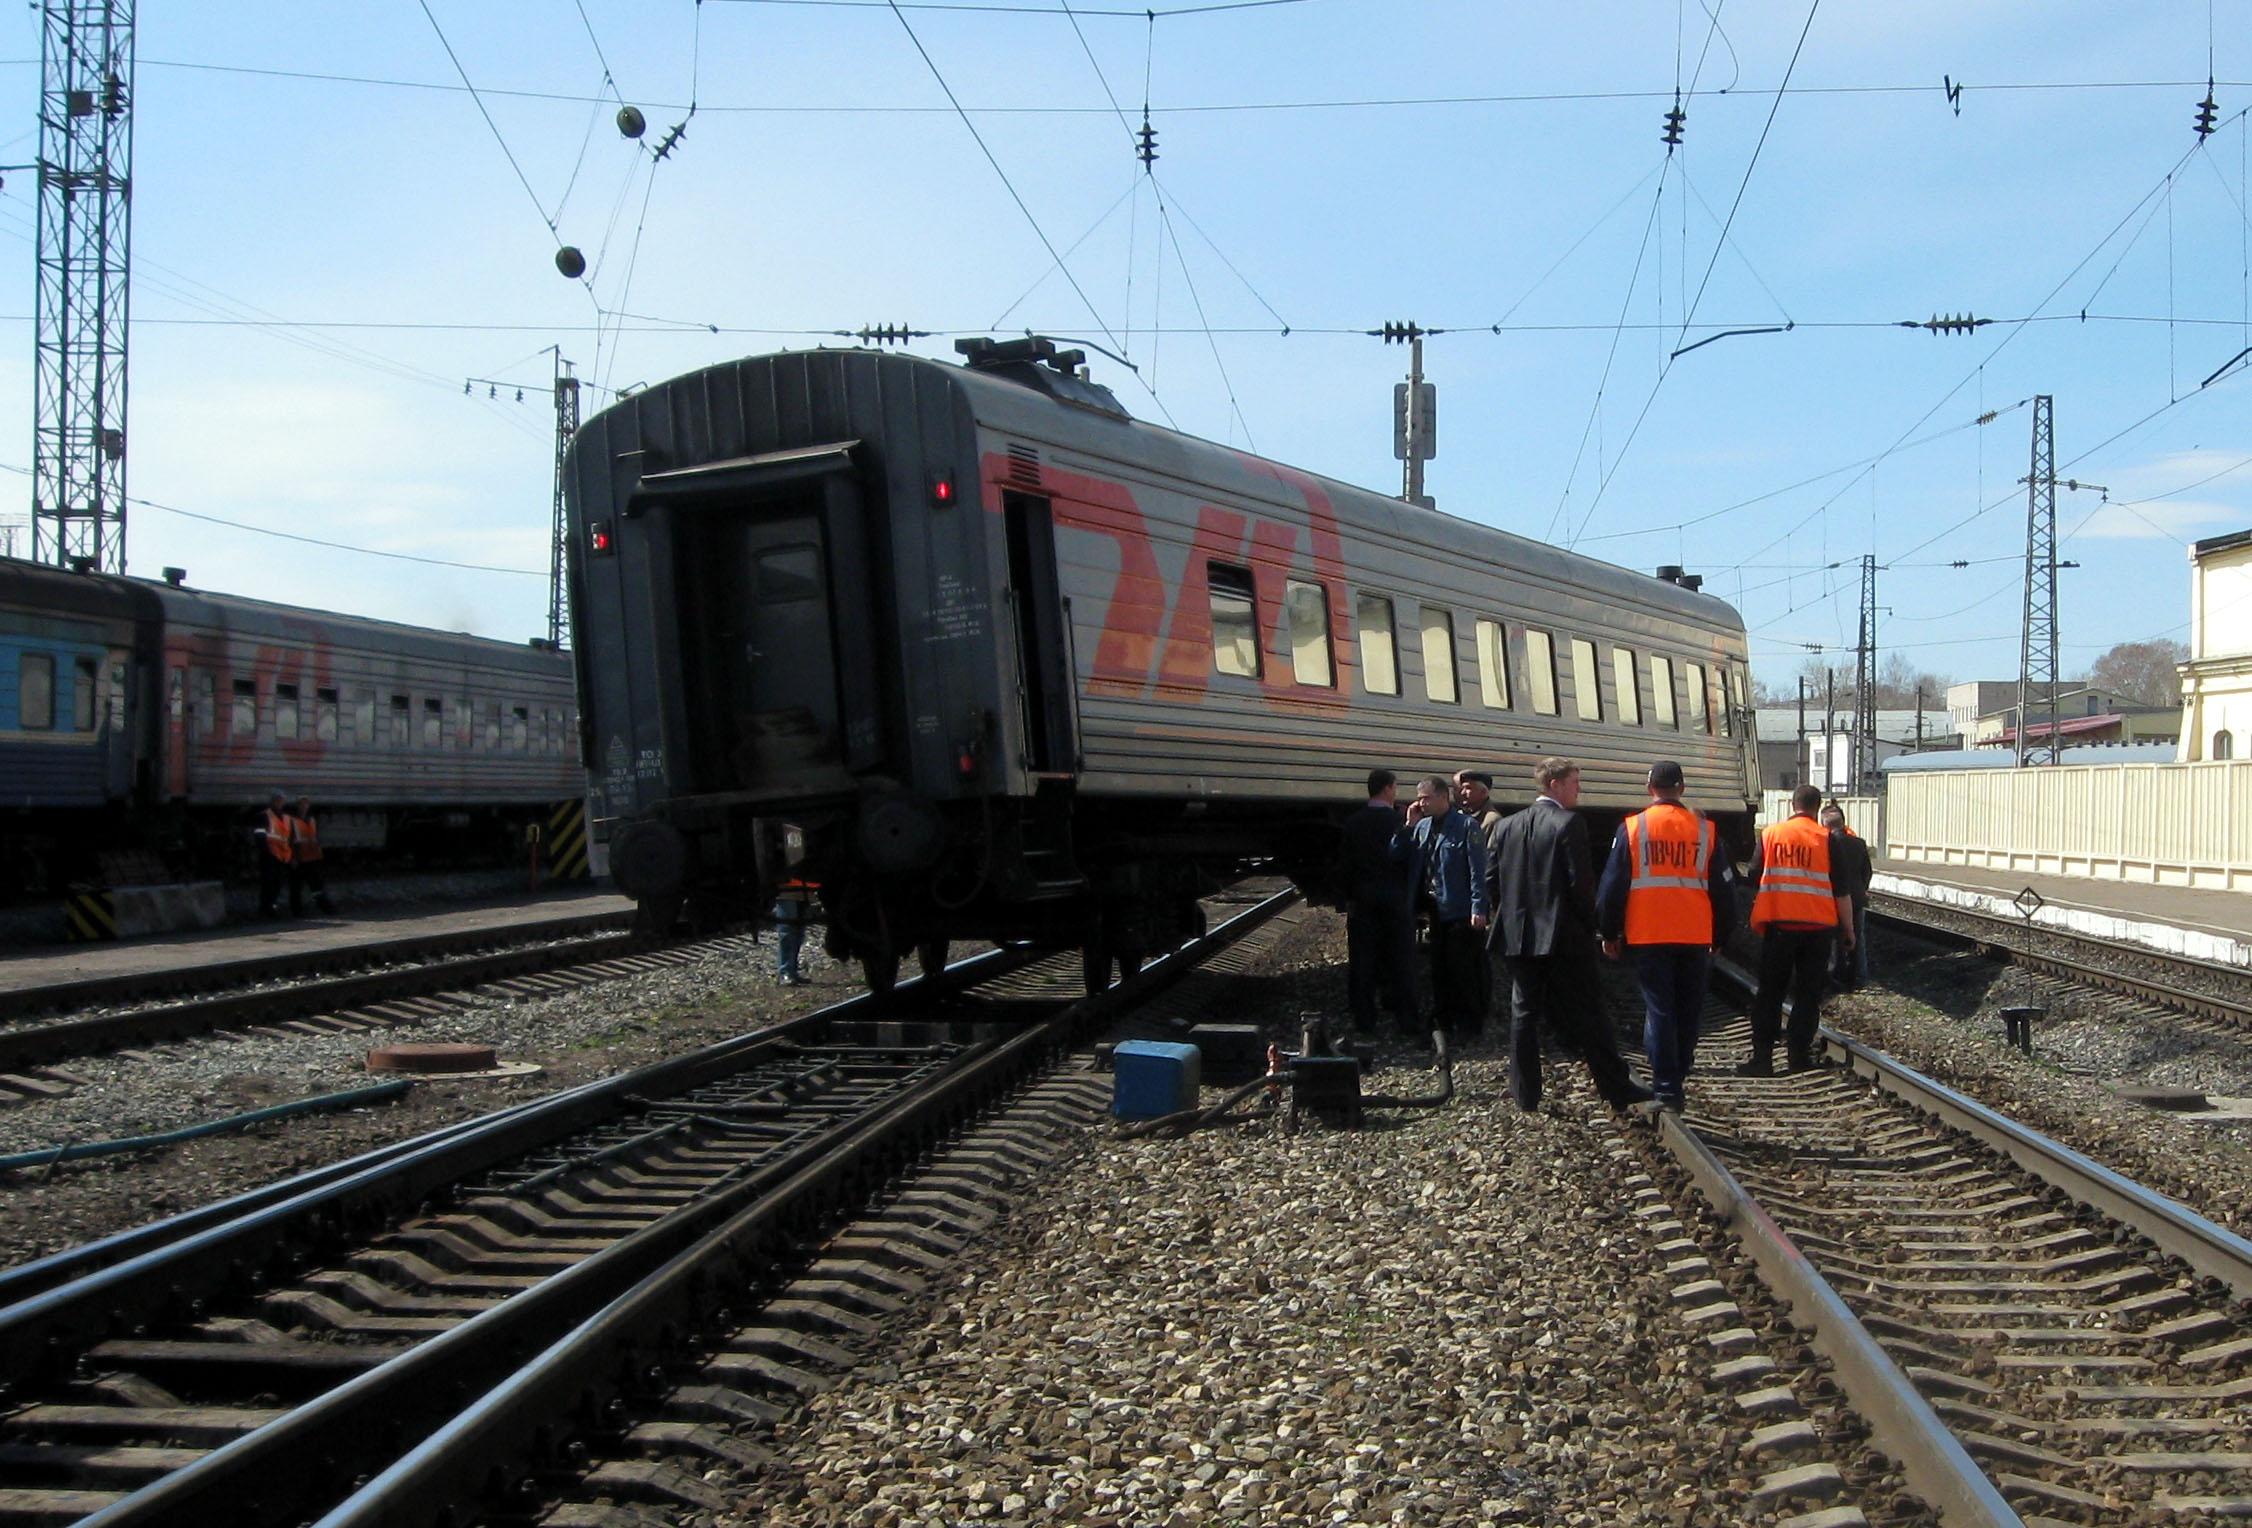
181 601
1041 401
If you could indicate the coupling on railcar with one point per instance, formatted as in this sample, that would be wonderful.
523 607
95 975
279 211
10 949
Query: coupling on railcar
1017 666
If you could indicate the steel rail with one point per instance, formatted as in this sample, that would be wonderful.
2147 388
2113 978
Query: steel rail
26 1046
1902 1423
358 1428
529 1417
77 1298
87 991
2126 983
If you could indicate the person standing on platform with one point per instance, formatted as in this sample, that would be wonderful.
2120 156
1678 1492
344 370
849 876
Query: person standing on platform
1379 910
1801 906
1851 968
1544 926
1473 795
273 859
305 861
1448 854
1665 903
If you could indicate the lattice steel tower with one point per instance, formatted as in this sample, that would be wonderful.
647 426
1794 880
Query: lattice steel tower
566 426
2037 652
1865 683
85 225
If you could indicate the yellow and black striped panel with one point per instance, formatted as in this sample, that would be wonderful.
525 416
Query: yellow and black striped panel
90 916
563 843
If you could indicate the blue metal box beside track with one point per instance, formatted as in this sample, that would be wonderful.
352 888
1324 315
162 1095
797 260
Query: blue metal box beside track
1016 665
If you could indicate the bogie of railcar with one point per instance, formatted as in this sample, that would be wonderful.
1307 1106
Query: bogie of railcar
1018 666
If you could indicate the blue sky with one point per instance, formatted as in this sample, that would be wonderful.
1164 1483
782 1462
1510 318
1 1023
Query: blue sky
1325 164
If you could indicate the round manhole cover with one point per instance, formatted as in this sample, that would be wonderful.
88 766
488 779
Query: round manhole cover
2173 1100
444 1056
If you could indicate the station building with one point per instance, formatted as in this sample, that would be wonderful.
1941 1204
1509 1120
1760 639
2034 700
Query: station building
2216 719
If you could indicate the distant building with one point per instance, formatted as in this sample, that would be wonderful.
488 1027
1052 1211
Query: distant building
1967 702
1826 756
2088 715
2216 718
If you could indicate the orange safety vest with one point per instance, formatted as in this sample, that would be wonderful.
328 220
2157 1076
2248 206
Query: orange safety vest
277 835
1794 876
1668 896
305 835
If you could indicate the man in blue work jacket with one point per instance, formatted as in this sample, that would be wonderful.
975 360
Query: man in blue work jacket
1447 855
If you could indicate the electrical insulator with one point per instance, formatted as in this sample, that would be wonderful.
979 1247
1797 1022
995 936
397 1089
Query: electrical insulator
1145 148
1952 323
1395 333
2206 110
1674 119
890 334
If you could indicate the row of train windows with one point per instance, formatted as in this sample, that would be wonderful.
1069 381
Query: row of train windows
39 689
355 716
1305 612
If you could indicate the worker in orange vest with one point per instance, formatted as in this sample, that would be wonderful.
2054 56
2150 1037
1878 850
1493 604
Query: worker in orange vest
1666 902
1801 906
273 865
305 860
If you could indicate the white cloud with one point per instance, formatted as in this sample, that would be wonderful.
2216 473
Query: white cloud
2166 519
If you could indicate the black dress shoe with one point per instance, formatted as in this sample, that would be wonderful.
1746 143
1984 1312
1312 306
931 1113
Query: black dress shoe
1758 1066
1807 1061
1629 1096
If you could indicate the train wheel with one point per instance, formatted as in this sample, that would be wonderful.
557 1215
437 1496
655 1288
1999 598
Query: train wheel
881 971
931 956
655 917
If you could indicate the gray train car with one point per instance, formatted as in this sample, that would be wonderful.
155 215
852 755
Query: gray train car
138 715
1014 664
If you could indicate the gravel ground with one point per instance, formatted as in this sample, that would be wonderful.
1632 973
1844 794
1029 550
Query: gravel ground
1449 1317
576 1036
1939 1010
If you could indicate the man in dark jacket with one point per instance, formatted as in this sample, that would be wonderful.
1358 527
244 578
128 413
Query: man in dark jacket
1544 925
1448 854
1850 965
1379 910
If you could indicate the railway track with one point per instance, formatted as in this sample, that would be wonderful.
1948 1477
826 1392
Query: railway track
35 1057
2218 999
2034 1337
513 1307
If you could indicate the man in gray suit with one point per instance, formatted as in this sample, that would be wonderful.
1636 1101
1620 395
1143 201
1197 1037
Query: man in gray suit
1544 926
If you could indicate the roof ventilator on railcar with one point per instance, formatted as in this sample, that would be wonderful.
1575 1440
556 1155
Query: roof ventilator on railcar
1672 574
1035 362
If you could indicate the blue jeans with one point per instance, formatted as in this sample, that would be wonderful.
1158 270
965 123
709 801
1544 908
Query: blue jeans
1672 977
789 938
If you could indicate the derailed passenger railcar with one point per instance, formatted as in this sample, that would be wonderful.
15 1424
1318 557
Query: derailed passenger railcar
1018 665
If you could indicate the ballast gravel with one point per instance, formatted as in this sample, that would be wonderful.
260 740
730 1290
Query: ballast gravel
1938 1009
1446 1318
574 1036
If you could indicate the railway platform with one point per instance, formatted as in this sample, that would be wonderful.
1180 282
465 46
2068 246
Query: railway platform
209 951
2181 920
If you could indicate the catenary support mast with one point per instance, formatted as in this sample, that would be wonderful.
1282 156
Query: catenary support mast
2037 651
80 324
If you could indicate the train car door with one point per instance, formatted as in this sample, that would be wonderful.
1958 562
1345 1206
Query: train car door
1044 678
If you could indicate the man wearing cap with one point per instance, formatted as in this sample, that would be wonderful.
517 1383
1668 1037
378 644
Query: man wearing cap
1666 902
1802 903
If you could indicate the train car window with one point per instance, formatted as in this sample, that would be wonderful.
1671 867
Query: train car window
1736 690
1693 680
285 710
87 677
245 720
519 729
206 693
1305 610
1380 658
1439 679
1623 682
402 721
488 724
363 718
1720 703
787 573
117 697
1587 681
1661 691
1493 664
324 715
433 724
1235 620
1540 670
35 692
458 733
